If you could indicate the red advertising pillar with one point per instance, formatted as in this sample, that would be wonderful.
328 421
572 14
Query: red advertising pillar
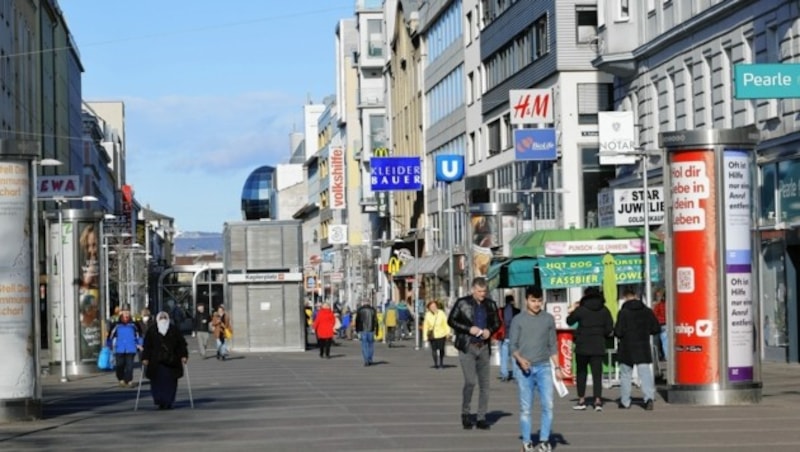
711 280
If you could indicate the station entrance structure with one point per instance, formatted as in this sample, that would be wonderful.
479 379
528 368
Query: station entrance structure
182 288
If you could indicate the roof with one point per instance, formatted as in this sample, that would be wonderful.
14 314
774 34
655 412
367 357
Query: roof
532 243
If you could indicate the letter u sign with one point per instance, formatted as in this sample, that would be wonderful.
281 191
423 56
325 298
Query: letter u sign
449 168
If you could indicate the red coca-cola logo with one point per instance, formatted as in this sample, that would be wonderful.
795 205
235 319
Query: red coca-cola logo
565 357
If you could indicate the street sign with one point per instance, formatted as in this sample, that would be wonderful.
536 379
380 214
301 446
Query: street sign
396 173
766 81
449 168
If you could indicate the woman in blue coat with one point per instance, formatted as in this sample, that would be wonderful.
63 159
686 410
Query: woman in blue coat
125 340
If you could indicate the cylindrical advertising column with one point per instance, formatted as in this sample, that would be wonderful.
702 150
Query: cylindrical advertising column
83 319
711 277
20 391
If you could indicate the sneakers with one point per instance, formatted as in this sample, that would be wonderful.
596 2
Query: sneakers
580 406
598 408
527 447
466 421
543 446
648 405
122 384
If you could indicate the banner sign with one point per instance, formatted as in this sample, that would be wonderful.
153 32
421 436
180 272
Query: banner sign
535 144
694 206
267 278
573 247
575 271
531 106
396 173
627 207
337 179
48 187
616 137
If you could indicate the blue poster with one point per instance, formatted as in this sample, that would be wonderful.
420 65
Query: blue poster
535 144
396 173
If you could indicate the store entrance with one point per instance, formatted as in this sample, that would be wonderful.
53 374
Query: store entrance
791 296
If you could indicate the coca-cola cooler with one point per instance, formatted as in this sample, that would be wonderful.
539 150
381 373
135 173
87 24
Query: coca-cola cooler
564 334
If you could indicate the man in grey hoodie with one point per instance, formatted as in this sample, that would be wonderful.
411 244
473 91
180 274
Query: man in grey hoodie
533 346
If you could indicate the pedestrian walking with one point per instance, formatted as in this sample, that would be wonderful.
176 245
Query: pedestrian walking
474 319
201 325
660 310
323 328
436 331
507 314
366 327
635 324
222 331
125 340
594 326
390 320
533 346
164 355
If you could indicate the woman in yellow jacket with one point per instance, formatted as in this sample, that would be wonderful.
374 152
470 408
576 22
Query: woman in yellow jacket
436 331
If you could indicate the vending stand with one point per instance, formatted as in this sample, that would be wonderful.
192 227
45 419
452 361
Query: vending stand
557 260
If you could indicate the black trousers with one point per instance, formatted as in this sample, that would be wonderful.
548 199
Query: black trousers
596 365
325 347
437 350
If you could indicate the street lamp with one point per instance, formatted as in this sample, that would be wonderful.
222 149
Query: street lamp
60 200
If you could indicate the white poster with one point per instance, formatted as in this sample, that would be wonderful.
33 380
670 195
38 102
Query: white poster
616 137
17 377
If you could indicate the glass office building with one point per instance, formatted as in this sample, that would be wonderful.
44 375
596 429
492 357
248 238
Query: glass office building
258 195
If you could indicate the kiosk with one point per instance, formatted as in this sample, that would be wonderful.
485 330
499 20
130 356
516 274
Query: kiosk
557 260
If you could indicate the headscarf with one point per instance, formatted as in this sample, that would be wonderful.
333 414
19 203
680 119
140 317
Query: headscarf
162 323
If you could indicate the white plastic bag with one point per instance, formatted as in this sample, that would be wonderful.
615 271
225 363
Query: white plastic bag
561 388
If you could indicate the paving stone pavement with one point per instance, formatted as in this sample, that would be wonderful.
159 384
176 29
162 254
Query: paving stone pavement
297 401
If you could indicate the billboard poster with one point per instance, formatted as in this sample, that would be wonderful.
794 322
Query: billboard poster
396 174
17 376
737 190
89 318
694 207
535 144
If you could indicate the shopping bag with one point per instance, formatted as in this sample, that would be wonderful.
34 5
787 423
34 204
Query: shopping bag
561 388
104 359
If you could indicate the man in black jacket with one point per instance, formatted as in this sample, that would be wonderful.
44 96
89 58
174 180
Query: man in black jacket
594 326
635 324
367 326
474 319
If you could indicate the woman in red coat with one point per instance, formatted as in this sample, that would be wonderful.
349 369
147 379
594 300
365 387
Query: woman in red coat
323 328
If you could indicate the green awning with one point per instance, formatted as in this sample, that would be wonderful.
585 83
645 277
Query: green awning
532 243
512 273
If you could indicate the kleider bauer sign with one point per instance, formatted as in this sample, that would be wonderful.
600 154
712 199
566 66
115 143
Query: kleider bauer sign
396 173
337 179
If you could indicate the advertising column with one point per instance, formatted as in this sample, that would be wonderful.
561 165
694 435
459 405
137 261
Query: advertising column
710 273
19 392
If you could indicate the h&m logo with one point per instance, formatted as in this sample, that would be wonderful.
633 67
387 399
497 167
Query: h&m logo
449 168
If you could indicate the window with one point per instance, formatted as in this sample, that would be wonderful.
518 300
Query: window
541 43
494 137
624 10
593 98
469 27
375 36
595 178
587 24
470 88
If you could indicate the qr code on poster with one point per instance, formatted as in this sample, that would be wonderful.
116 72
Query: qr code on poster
685 279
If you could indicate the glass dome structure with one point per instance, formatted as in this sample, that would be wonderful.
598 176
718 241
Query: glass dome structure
258 195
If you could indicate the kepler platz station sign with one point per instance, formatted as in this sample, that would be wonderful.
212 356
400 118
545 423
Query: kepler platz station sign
766 81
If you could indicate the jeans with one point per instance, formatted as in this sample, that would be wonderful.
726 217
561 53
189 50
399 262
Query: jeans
505 357
540 379
367 346
646 377
664 343
222 347
475 367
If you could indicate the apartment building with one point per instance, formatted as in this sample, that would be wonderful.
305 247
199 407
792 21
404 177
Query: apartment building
674 66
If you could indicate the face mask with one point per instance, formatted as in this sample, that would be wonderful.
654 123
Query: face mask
163 326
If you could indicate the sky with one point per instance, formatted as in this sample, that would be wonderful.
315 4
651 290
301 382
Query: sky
212 90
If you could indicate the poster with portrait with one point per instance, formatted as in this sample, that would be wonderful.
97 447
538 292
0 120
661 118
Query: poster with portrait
89 317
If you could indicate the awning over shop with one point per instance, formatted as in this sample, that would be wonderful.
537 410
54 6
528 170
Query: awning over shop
512 273
533 243
426 265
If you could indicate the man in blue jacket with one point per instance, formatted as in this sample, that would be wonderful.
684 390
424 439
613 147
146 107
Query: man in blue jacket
124 339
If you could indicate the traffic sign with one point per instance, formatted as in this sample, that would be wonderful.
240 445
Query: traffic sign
766 81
